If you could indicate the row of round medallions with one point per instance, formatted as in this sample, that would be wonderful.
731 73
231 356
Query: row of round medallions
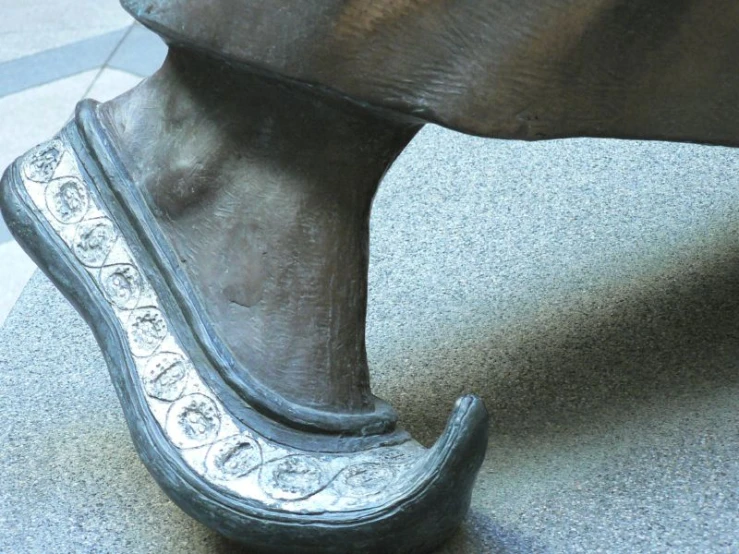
193 420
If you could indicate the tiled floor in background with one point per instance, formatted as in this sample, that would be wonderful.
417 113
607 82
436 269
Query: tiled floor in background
53 54
30 27
586 289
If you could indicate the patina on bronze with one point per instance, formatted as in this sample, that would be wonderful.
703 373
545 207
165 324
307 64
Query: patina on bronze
212 226
523 69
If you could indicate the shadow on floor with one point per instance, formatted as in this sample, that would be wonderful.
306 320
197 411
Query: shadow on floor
672 334
478 535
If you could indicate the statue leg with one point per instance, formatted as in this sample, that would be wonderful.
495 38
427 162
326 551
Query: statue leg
212 227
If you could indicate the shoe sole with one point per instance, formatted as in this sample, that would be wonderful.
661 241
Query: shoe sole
217 467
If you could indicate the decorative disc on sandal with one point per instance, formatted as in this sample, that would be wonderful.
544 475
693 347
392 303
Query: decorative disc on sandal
270 494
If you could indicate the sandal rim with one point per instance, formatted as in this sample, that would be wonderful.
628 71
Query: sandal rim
423 517
94 133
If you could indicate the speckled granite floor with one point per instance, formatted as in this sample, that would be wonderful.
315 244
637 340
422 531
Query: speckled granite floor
588 290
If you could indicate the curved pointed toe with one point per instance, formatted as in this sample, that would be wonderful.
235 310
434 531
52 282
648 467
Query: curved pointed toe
223 461
397 499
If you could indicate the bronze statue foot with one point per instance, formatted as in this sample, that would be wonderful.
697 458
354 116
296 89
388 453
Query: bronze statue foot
242 373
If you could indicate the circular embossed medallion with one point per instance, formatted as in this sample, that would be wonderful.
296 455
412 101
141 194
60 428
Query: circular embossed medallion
146 330
165 376
233 458
394 456
365 479
292 478
94 241
67 199
41 165
193 421
121 284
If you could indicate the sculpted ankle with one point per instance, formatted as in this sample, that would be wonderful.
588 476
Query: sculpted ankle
267 212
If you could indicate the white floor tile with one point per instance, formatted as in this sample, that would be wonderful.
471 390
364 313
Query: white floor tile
31 117
30 27
111 83
34 115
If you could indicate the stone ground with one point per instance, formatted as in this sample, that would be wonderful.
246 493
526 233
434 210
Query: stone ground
588 290
53 53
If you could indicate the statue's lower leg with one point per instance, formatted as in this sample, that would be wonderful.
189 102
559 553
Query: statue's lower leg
212 227
264 193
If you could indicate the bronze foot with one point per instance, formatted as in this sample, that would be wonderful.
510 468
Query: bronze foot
221 261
